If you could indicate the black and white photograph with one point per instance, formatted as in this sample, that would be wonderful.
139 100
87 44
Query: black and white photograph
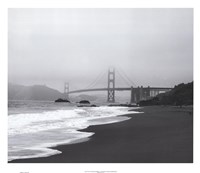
100 85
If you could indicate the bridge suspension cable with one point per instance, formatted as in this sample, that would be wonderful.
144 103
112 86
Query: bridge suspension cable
126 78
127 82
94 82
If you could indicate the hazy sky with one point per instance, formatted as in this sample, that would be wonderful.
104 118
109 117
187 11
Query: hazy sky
49 46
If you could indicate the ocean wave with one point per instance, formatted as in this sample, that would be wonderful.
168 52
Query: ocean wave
31 134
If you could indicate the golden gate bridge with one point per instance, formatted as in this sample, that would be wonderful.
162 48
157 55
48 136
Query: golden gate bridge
137 93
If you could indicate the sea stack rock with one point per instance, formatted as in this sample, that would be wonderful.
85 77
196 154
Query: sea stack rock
62 100
84 102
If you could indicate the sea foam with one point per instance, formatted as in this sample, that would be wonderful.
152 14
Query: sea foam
30 135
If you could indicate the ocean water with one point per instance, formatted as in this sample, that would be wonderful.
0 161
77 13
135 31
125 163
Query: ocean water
34 127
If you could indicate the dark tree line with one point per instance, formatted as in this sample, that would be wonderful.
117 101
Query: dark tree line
181 94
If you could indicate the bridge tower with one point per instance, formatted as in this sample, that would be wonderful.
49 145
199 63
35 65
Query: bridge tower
133 95
111 85
66 90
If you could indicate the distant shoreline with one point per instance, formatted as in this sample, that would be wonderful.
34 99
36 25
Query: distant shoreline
162 134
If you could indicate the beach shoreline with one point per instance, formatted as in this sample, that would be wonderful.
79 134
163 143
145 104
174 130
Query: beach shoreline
162 134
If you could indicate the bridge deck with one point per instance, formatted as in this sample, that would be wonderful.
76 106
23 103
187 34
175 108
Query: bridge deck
118 89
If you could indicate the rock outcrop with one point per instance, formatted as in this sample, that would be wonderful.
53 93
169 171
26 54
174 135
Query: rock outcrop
62 100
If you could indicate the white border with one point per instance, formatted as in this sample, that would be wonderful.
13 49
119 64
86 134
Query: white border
81 168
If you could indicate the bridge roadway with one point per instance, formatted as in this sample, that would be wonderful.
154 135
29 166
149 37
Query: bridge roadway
118 89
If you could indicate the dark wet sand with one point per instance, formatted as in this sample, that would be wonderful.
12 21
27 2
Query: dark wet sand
159 135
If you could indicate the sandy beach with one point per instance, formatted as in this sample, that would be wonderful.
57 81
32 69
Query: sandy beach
159 135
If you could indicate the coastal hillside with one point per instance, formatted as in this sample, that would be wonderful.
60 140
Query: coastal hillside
181 94
35 92
42 92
